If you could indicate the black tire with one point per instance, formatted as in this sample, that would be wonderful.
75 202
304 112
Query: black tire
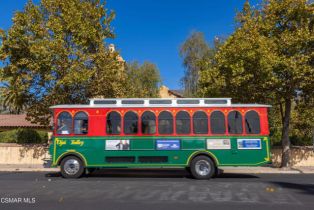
78 172
199 166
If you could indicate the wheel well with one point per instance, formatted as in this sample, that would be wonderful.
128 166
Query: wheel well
203 154
70 154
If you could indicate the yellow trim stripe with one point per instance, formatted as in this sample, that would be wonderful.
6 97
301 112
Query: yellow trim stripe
71 152
54 151
138 165
244 164
187 162
267 149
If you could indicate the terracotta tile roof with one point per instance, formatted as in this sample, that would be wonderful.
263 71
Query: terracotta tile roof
16 120
177 93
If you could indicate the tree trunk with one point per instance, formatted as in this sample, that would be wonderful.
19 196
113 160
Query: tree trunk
285 160
313 135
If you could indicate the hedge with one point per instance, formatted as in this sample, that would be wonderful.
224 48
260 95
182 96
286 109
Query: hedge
24 136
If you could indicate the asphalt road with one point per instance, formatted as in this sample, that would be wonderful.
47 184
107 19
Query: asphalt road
149 190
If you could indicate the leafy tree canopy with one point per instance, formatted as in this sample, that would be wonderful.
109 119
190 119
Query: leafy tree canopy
269 58
143 80
55 53
194 51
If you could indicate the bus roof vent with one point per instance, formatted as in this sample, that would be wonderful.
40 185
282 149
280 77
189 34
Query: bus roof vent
216 101
188 101
105 102
160 101
132 101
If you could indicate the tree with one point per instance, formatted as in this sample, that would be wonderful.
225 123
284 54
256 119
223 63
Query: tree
13 99
269 58
55 53
302 122
143 80
193 51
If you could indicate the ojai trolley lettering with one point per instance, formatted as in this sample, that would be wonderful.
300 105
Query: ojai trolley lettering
199 134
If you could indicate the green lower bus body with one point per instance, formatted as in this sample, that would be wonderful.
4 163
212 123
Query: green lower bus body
142 152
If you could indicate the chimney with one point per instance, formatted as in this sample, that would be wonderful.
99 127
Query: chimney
111 48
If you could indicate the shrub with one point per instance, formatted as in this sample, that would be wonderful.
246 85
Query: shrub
297 141
8 136
24 136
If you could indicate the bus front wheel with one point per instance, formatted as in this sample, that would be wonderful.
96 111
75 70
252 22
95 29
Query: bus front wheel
72 167
202 167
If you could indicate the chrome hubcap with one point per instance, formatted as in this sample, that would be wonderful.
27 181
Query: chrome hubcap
202 167
71 166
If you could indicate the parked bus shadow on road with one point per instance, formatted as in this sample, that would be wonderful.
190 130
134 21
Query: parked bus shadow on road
300 187
150 173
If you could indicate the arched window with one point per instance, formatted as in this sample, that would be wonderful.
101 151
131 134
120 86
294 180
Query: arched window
165 123
64 123
80 123
252 123
148 123
130 123
113 123
235 122
183 123
217 122
200 122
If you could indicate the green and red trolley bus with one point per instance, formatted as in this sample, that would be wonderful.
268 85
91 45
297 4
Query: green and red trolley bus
200 134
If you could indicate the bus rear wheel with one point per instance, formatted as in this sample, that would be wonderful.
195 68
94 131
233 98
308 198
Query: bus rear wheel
72 167
202 167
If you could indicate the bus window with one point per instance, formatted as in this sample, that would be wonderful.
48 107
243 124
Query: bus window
183 123
148 123
64 124
113 123
165 123
130 123
235 122
200 122
252 123
80 123
217 123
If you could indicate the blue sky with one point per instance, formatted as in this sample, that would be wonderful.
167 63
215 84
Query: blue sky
153 30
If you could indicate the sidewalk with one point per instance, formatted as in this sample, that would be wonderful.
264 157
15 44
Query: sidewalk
305 169
268 170
25 167
234 170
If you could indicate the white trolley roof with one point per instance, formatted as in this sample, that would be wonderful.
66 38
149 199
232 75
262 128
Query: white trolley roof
158 102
